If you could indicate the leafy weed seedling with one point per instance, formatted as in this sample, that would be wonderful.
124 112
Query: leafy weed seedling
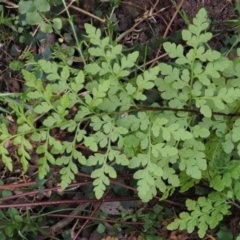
189 134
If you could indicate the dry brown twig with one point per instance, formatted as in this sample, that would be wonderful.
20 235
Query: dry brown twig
70 5
87 13
147 15
63 223
167 30
64 10
10 4
91 215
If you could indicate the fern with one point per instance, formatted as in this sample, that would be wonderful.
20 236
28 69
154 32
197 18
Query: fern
205 213
174 142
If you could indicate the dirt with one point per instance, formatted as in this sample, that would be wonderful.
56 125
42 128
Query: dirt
218 10
157 16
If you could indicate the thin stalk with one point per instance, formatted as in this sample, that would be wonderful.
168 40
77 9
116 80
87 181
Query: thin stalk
74 32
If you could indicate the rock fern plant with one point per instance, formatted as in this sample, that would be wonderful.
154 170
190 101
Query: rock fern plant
188 134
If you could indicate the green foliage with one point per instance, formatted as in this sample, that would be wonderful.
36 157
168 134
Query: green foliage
152 220
189 134
225 234
13 223
35 12
204 213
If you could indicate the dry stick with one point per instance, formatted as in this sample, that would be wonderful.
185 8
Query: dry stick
133 5
167 29
67 7
57 202
44 190
87 13
63 223
156 3
11 5
151 61
211 237
129 30
12 186
86 222
92 218
135 25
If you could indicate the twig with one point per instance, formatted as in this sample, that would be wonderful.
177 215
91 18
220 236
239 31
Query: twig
235 204
37 191
67 7
57 202
11 5
132 4
63 223
93 218
211 237
87 13
167 29
151 61
129 30
93 212
13 186
143 18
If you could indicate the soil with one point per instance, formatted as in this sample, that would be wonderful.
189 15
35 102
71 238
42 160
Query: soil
218 10
157 17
